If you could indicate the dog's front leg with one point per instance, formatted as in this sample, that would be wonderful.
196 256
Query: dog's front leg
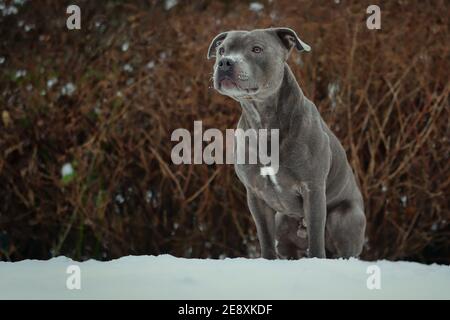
264 217
314 205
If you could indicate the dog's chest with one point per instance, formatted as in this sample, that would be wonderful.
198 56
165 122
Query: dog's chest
277 188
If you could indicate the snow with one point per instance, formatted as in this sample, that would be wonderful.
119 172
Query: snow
29 27
51 82
333 89
120 199
128 68
66 170
167 277
8 10
169 4
68 89
125 46
21 73
404 200
256 6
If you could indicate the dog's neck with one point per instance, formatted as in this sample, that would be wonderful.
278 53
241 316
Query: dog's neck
272 111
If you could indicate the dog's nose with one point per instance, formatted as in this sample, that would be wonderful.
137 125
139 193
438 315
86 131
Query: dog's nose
225 64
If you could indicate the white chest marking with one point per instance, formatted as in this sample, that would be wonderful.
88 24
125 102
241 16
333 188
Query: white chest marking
269 171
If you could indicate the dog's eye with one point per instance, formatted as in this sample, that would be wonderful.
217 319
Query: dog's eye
221 51
257 49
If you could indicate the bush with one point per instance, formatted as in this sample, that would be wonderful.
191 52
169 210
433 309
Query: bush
104 101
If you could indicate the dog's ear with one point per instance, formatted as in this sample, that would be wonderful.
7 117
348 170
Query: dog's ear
290 40
215 43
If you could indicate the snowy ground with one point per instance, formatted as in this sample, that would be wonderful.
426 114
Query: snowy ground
167 277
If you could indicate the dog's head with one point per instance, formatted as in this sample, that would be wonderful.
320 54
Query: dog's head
251 63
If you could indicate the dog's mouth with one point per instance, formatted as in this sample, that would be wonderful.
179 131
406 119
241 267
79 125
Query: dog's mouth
228 84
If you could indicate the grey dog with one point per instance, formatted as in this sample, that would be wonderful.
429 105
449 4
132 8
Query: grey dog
314 206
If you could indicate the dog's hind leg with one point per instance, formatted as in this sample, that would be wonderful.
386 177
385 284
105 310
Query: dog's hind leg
345 228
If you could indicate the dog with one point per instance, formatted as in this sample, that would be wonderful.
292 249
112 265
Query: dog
312 206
